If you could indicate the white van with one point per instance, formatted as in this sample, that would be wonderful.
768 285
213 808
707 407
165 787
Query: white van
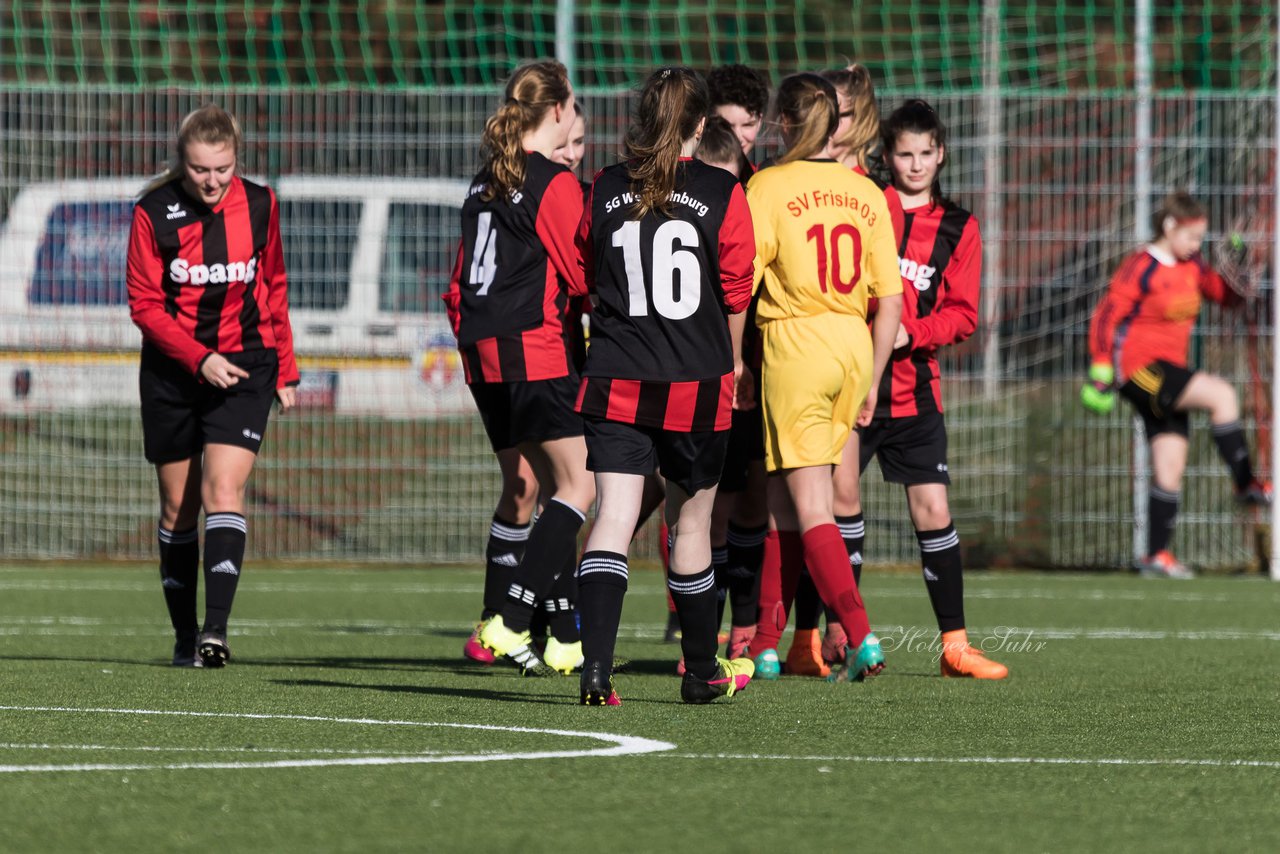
367 260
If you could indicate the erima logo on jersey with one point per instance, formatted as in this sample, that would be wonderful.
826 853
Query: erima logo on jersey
183 271
226 567
175 211
919 275
249 434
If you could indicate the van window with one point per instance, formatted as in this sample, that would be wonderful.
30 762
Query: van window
82 255
421 244
319 239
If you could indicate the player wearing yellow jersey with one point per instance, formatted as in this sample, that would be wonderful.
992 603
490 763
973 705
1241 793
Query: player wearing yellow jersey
824 245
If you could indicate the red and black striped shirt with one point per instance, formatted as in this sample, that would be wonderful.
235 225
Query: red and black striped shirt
204 280
515 271
940 258
661 354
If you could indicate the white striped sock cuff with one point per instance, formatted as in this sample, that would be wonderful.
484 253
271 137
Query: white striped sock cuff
509 533
1226 429
603 566
1165 495
689 585
946 540
849 530
176 538
225 520
719 555
746 538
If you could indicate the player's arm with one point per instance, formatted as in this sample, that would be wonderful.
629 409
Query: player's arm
582 244
144 275
277 282
559 214
766 236
737 275
884 283
452 297
955 317
1098 391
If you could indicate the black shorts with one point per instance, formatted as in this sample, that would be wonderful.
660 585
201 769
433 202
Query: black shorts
533 411
746 443
692 461
181 414
910 450
1153 391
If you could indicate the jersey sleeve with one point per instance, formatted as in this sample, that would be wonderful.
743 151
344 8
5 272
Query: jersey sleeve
766 236
453 296
737 252
1118 302
1214 286
582 243
559 214
955 317
882 259
144 275
277 282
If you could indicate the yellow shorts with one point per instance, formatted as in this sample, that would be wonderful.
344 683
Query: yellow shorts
816 376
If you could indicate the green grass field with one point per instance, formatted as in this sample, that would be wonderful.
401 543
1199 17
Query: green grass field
1139 716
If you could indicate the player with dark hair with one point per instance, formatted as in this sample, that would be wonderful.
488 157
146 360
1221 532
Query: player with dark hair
825 243
667 246
207 288
941 264
740 96
1138 343
516 268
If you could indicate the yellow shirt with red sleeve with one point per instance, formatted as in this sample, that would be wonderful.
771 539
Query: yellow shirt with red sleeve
1149 310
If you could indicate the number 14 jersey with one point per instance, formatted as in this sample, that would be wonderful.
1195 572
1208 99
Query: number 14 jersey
660 352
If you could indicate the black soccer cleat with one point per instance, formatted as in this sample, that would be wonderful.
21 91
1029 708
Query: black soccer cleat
596 686
212 649
730 678
184 651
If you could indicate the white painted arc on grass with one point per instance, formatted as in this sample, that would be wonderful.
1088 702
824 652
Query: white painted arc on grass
621 745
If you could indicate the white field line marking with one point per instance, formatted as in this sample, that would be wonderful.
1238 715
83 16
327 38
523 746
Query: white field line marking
991 760
72 626
622 745
291 751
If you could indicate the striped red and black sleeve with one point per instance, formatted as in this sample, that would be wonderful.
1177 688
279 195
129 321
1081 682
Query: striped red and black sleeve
737 252
272 275
582 244
955 316
559 214
152 309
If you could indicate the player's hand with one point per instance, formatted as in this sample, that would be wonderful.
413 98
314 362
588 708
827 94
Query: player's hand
220 373
868 409
1098 393
744 388
902 339
288 397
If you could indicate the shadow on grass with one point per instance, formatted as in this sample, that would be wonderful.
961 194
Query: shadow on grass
501 696
143 662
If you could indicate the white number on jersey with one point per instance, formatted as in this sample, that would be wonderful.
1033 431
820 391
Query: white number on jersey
670 256
484 254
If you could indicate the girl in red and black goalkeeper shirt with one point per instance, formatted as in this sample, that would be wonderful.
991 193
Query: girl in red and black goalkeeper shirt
207 288
940 251
516 269
1138 343
667 245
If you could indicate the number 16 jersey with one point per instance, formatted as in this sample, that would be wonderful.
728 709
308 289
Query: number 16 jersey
660 353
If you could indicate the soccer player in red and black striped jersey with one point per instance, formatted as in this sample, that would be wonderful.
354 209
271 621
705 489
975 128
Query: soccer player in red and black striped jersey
667 246
207 288
940 251
516 269
1138 343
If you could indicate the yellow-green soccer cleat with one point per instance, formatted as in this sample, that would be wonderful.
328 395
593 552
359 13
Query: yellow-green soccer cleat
515 647
730 678
562 657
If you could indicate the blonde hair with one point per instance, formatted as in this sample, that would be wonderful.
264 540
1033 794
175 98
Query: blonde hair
672 102
209 124
854 82
808 104
533 90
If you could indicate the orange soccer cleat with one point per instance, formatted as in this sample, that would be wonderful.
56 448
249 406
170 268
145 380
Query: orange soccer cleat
960 659
805 656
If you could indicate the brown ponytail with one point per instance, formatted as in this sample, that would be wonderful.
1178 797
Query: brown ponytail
209 124
854 82
672 102
809 110
533 90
